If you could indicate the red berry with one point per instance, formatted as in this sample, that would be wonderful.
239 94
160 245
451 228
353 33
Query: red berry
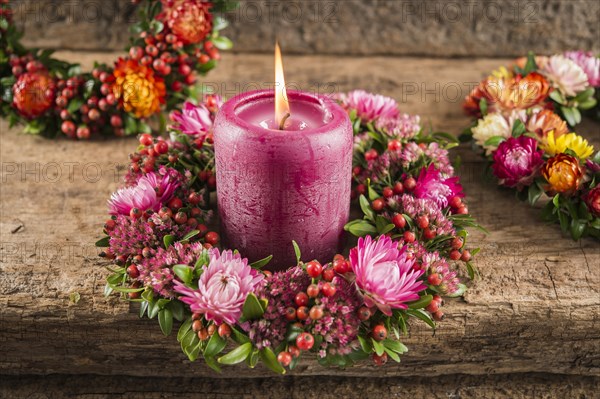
356 170
17 70
301 299
195 198
422 221
316 313
378 205
410 184
83 132
432 307
175 204
371 155
466 256
161 147
290 314
457 243
116 121
135 213
284 358
224 331
312 291
94 114
455 254
146 60
438 316
364 313
388 192
463 210
151 50
110 225
68 128
328 289
196 325
133 271
379 332
165 213
394 145
398 188
212 238
146 139
429 234
437 298
181 218
136 52
305 341
434 279
399 221
328 274
380 360
314 269
361 189
455 202
294 351
302 313
340 266
409 236
185 69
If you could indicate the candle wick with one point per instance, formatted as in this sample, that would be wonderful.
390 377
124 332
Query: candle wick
283 120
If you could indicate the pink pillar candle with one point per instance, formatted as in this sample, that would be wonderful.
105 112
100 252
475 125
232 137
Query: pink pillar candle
275 186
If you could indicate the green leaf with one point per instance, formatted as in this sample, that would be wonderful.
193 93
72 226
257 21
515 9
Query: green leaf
259 264
143 308
153 309
534 193
297 251
395 346
494 141
220 23
584 95
177 309
420 314
74 105
360 228
459 292
471 270
212 363
184 272
483 106
378 346
392 354
577 228
588 103
104 242
252 360
531 65
365 345
373 195
215 345
222 43
168 240
184 329
270 360
190 235
569 115
424 301
165 321
518 128
252 309
558 97
237 355
366 208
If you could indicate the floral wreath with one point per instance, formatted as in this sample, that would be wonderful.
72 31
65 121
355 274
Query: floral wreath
173 42
531 148
410 255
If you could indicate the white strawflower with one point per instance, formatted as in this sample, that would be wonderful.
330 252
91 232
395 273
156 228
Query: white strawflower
488 127
565 75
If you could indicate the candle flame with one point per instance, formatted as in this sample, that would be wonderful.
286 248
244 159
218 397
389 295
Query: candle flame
282 106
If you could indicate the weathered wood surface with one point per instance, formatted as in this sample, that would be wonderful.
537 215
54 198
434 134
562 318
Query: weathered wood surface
536 308
432 28
511 386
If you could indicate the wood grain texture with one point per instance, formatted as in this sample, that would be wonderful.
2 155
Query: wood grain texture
536 308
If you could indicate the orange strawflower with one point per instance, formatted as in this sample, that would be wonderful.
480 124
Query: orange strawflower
189 20
138 89
507 94
546 121
563 174
33 94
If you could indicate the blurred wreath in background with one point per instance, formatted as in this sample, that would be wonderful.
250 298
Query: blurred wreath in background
173 42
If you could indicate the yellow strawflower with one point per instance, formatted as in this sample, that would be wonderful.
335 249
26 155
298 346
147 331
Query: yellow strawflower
571 141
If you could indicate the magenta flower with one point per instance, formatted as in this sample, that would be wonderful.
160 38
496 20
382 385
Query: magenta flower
589 63
150 191
516 161
369 106
193 119
385 274
222 288
431 185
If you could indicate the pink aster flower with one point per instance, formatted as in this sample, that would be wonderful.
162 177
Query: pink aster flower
370 106
565 75
385 274
516 161
193 119
403 127
222 288
431 185
150 192
589 63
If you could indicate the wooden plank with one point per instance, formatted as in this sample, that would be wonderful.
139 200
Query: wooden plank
535 309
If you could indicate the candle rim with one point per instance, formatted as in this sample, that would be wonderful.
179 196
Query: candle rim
337 114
